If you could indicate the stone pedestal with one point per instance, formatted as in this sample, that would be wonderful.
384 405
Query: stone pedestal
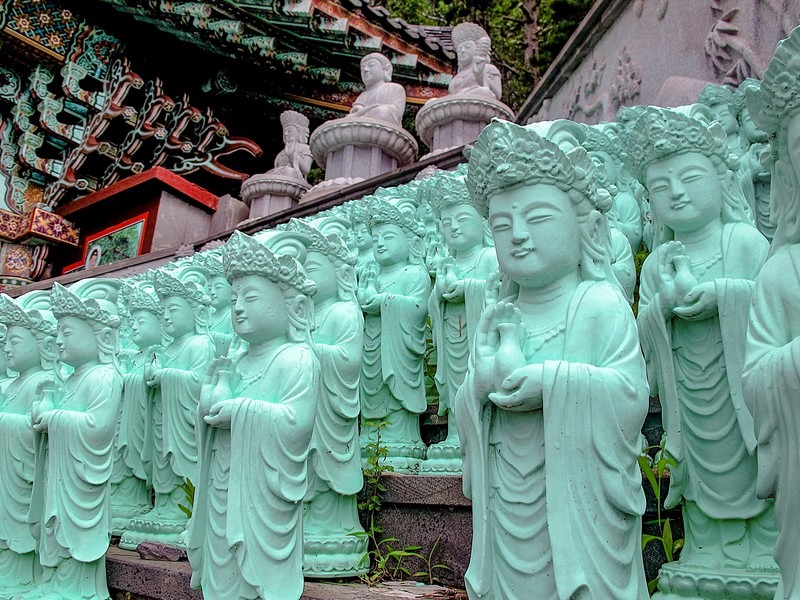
684 582
452 121
268 193
353 149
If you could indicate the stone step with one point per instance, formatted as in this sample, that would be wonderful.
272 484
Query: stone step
131 578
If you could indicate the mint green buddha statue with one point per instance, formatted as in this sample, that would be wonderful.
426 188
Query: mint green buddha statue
335 476
30 350
176 377
394 299
719 98
256 418
694 298
219 290
456 302
770 374
75 428
552 405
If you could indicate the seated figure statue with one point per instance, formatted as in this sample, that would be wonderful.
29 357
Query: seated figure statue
176 377
552 405
694 299
75 426
477 76
382 100
772 359
30 350
294 161
256 418
335 476
394 297
456 302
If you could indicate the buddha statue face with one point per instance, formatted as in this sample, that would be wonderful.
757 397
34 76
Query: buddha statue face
373 72
145 328
751 132
722 113
685 192
178 317
76 341
389 245
259 309
466 51
322 272
21 349
362 237
219 290
536 234
462 227
605 161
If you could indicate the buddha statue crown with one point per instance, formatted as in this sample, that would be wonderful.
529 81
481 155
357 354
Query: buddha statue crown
445 190
506 155
465 32
779 96
739 101
211 261
660 133
331 245
141 296
382 212
359 212
292 118
714 94
598 140
168 285
33 319
244 255
91 299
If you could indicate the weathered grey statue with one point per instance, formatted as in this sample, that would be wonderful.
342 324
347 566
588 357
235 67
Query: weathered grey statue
772 360
550 411
294 161
382 100
476 76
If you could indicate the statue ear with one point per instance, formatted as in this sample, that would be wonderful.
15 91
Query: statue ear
597 228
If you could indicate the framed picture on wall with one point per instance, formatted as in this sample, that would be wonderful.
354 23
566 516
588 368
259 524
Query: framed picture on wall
118 242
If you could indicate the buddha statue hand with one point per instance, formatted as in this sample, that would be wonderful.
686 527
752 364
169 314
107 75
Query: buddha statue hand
455 293
487 341
700 303
491 293
675 276
216 387
512 332
152 372
445 275
47 391
522 390
372 304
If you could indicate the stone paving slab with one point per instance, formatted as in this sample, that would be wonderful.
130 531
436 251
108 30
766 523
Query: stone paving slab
131 578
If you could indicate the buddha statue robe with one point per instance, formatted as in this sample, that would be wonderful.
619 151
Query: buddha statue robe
385 101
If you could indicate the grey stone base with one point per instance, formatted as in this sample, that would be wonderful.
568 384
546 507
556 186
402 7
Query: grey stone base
682 582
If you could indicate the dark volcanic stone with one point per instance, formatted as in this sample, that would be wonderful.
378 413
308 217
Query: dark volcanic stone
156 551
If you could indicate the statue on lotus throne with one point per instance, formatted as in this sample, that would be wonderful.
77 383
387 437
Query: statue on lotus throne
771 376
382 100
294 161
550 412
476 77
30 350
75 425
695 294
256 419
394 295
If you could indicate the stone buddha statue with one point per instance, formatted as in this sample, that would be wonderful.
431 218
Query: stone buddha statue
220 326
256 419
382 100
695 294
772 357
360 237
75 425
718 98
294 161
552 404
477 76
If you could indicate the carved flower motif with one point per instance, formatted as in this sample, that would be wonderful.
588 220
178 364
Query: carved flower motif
694 135
24 24
784 87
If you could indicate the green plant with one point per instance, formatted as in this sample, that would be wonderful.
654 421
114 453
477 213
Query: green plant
653 472
188 488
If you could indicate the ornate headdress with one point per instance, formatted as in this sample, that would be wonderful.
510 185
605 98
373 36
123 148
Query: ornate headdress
11 313
739 101
292 118
506 155
382 212
141 296
244 255
464 32
330 245
211 261
779 97
660 133
359 212
445 190
713 94
598 140
168 285
92 299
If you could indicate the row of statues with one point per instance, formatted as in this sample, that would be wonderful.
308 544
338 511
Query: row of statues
258 373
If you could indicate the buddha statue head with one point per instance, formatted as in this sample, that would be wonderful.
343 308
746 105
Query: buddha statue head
396 237
184 305
360 236
30 343
295 127
270 294
543 210
88 322
470 41
687 168
376 69
219 290
461 225
718 98
145 311
747 127
775 109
